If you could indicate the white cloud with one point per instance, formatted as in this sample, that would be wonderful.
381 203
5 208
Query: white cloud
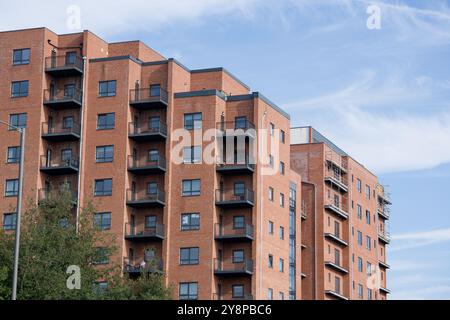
412 240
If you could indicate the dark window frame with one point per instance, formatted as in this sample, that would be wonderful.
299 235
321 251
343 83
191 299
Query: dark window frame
21 61
109 91
105 223
191 259
10 226
105 158
190 226
103 192
22 92
15 190
191 294
191 192
190 123
16 158
106 125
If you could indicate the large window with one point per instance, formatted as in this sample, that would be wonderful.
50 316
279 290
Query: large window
238 291
238 256
9 221
188 291
19 89
107 88
193 121
103 187
21 56
106 121
102 221
191 188
104 154
190 221
101 256
13 155
192 154
189 256
18 120
12 188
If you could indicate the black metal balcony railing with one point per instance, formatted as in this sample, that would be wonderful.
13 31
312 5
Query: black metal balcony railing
64 65
65 98
232 197
59 131
46 194
146 165
59 166
222 232
236 125
228 267
139 265
147 97
337 208
146 199
229 296
147 131
384 235
236 167
143 233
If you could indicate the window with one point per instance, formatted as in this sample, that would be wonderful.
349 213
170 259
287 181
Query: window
190 221
337 285
239 189
238 256
101 256
270 261
19 89
153 156
271 160
281 295
369 269
368 243
150 222
282 168
13 155
102 221
367 192
359 211
270 227
367 216
281 233
71 58
282 200
360 291
12 188
358 185
18 120
152 188
360 264
106 121
21 56
150 255
100 288
193 121
192 154
107 88
9 221
238 291
238 222
189 256
104 154
337 257
282 136
271 192
270 294
337 229
240 123
188 291
272 129
360 241
281 265
155 90
69 91
369 294
191 188
68 122
103 187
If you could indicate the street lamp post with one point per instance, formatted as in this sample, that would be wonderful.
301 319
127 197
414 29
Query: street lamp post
19 206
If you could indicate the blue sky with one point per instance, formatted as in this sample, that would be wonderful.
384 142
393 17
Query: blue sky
382 95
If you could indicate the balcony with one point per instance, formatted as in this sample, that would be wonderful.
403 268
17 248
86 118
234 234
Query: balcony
335 295
146 200
48 195
144 99
55 167
231 199
138 266
64 66
303 212
230 269
228 234
145 166
336 267
229 297
384 236
337 209
144 234
236 129
142 132
337 182
63 99
236 168
385 198
384 264
59 132
336 239
385 290
384 213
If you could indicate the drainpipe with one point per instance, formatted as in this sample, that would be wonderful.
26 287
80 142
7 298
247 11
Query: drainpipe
261 197
313 247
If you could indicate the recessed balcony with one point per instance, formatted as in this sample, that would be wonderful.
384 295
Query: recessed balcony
145 199
384 213
237 128
61 132
384 236
235 199
147 165
58 166
236 168
48 195
233 269
230 234
144 234
385 198
64 66
336 267
338 209
148 98
337 182
336 239
148 131
138 266
63 99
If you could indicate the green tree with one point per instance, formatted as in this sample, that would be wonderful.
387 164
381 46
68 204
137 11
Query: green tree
51 242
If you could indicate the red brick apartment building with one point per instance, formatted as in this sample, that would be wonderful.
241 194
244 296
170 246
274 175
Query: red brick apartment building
102 118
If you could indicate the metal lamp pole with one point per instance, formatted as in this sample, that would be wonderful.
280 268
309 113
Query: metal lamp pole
19 206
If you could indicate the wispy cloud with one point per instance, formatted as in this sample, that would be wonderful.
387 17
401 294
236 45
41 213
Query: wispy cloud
411 240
